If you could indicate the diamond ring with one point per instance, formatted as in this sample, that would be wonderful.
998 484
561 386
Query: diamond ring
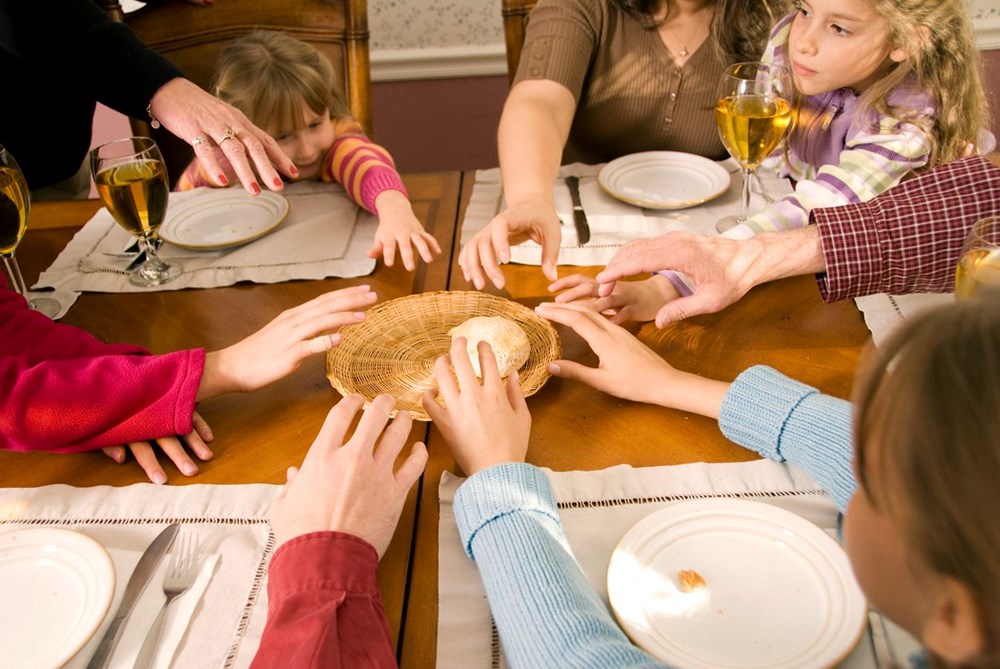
199 139
229 134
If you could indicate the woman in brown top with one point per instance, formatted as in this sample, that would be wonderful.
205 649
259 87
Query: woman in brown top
599 79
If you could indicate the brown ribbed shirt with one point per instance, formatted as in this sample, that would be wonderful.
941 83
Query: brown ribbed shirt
630 95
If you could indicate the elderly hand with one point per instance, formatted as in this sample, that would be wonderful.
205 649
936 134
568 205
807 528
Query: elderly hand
175 448
490 248
484 423
277 349
399 228
351 487
205 121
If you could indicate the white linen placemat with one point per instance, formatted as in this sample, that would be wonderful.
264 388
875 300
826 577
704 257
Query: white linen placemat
220 624
613 222
884 313
325 234
597 508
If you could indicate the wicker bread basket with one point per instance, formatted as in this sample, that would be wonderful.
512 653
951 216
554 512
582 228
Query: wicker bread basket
393 351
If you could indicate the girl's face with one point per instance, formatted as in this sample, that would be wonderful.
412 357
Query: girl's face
306 147
839 44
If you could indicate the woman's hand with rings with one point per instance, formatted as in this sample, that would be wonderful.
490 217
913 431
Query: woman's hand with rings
187 111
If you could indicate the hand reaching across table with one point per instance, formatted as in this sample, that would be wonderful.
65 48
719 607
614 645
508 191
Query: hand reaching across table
628 301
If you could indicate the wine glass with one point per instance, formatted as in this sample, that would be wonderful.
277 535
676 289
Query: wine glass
753 114
979 264
15 205
131 179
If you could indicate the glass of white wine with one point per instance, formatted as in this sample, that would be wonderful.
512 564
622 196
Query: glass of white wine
753 113
979 264
15 205
131 179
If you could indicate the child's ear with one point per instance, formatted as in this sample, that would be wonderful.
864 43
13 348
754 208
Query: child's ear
954 630
899 54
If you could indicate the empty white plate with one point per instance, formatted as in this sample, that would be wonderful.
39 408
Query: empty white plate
779 592
664 179
56 586
218 218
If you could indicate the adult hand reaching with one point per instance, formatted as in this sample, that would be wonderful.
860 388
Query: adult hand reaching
534 219
278 348
205 121
350 486
628 301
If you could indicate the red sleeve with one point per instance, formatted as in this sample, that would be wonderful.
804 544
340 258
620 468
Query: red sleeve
908 239
324 608
63 390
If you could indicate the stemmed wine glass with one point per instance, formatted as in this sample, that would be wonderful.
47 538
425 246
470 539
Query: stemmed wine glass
15 205
131 179
753 114
979 264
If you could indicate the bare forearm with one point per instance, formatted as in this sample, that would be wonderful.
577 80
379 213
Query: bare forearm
691 393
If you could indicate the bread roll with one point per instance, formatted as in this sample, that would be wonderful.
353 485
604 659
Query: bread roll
509 343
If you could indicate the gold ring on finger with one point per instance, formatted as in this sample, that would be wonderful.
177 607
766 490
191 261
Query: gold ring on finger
229 134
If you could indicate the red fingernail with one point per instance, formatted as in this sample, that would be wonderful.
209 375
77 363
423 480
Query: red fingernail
277 182
294 170
255 188
223 180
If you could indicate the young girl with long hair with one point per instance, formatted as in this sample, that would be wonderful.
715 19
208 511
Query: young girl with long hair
885 89
920 504
287 87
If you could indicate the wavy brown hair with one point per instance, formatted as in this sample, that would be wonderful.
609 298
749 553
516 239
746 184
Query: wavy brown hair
739 28
930 399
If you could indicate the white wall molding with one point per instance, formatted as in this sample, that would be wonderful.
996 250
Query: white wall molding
438 63
491 60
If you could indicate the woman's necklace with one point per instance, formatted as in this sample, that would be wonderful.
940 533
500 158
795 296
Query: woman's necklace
685 52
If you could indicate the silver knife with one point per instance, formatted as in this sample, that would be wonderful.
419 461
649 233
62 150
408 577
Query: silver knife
148 563
579 216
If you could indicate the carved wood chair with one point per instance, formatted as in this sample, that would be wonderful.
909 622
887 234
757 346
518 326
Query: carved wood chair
515 20
192 37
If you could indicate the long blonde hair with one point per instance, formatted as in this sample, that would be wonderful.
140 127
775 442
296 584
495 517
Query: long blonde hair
930 398
944 62
268 75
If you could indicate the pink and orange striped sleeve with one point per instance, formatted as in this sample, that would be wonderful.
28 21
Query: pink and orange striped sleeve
362 167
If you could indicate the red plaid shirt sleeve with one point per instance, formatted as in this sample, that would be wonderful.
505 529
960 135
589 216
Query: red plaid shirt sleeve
908 239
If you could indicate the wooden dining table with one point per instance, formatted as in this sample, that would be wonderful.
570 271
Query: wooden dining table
258 435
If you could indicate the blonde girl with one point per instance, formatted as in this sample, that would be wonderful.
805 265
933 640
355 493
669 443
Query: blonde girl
287 87
920 505
885 88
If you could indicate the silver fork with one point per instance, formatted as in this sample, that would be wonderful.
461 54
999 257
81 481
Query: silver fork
885 654
181 574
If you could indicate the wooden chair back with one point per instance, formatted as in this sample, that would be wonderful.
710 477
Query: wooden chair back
192 37
515 21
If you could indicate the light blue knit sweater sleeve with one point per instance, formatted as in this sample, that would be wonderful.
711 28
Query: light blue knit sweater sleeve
547 613
785 420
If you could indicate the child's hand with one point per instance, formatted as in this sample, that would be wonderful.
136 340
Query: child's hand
175 448
486 423
399 228
628 301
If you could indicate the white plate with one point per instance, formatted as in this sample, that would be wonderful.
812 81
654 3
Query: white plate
664 179
221 218
56 586
779 590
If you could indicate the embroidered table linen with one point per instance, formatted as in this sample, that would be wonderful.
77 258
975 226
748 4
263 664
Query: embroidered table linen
597 508
884 313
324 234
218 623
612 222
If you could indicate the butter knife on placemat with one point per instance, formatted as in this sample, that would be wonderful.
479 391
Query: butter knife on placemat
579 216
148 563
